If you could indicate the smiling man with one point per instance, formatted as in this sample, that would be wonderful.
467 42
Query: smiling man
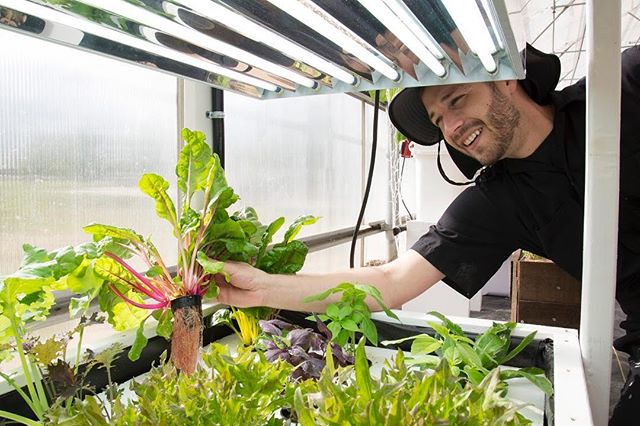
523 144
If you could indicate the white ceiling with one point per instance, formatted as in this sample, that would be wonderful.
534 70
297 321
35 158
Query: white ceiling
558 26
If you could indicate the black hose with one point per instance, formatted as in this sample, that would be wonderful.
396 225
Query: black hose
374 145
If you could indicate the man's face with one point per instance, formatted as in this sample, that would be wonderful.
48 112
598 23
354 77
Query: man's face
476 119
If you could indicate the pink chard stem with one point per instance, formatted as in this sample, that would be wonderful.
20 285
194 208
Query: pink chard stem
150 290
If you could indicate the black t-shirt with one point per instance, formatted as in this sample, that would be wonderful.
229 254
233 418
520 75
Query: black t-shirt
536 203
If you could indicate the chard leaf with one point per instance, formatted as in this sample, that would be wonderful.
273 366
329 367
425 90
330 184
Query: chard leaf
296 226
194 164
111 271
287 259
102 231
139 343
66 260
165 326
189 220
249 228
33 255
154 271
156 187
83 279
120 314
210 266
268 236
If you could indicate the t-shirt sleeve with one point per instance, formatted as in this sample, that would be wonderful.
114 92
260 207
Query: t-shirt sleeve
469 242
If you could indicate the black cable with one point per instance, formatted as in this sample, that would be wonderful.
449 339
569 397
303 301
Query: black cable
374 145
444 175
400 189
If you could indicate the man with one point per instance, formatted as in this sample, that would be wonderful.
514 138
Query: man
529 195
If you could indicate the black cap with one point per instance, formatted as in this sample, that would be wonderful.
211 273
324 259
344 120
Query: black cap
409 115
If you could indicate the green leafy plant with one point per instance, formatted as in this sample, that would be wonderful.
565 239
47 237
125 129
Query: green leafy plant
243 388
403 396
285 257
351 314
473 359
207 236
26 297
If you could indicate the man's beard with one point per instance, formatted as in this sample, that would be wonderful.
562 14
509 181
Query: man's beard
503 118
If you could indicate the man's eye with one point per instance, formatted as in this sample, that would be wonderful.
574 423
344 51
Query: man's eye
456 100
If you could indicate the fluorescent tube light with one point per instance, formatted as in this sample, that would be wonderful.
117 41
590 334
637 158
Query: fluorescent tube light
170 27
494 26
397 26
317 19
250 29
468 18
49 14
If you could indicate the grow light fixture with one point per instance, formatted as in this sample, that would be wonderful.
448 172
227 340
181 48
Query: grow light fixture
142 16
89 27
467 16
249 28
282 48
399 27
317 19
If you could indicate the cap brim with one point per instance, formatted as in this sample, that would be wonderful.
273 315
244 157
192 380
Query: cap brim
409 116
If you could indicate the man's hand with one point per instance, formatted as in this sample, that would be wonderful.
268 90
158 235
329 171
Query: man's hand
246 288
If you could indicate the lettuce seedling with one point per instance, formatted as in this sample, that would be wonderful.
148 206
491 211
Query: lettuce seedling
471 359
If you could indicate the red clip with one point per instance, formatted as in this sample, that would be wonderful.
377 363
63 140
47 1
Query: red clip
405 149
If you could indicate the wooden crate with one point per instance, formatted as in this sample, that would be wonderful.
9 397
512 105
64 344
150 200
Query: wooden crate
543 293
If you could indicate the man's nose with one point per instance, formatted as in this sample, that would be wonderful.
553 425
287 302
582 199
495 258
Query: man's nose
451 122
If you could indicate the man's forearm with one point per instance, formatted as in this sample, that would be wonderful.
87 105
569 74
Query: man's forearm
398 281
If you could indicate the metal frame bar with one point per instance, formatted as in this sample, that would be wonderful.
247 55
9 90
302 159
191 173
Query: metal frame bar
601 200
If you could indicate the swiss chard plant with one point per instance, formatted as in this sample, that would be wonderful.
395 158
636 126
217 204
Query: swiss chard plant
473 359
207 236
351 314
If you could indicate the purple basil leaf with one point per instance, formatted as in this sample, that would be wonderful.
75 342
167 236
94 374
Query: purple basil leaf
312 368
273 355
269 327
340 357
322 328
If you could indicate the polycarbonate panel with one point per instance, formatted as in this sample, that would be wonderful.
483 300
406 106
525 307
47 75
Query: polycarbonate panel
78 130
302 156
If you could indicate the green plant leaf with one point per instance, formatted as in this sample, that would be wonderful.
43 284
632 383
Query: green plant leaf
363 375
268 236
349 324
165 325
425 344
333 310
534 375
453 328
139 343
101 231
523 344
156 187
194 164
284 259
369 330
296 226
